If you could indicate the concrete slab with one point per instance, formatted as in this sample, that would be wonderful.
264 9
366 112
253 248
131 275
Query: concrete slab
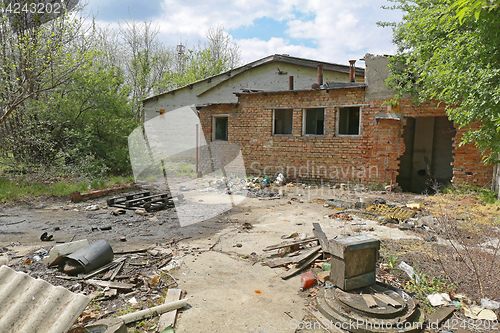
227 294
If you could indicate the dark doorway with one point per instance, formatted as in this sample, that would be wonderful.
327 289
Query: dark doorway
428 155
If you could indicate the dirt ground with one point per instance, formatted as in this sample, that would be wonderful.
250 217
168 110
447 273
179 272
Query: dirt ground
220 261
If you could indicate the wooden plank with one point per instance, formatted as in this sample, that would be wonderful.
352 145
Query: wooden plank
168 319
292 260
282 245
300 268
386 299
436 319
369 300
323 241
111 284
359 281
116 271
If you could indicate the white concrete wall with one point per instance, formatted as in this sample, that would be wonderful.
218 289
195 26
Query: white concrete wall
222 88
376 73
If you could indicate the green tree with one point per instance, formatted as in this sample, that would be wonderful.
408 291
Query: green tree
453 60
82 126
37 54
199 64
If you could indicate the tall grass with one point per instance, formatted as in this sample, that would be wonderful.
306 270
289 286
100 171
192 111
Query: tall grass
15 189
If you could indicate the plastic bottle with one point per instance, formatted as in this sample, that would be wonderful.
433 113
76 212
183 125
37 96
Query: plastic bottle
307 280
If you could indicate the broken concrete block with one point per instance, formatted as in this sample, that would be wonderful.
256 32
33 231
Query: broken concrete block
64 249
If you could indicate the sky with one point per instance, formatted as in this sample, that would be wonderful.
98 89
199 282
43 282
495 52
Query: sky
331 31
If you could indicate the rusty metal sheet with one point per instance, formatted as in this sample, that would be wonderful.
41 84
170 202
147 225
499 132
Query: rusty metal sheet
29 305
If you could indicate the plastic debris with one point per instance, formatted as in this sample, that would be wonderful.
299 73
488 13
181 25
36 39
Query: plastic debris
489 304
92 208
280 180
414 205
408 270
478 312
438 299
307 280
46 237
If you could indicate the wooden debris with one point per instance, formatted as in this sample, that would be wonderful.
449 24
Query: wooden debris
370 301
301 267
168 319
110 292
293 259
440 316
323 241
386 299
104 268
132 251
282 245
111 284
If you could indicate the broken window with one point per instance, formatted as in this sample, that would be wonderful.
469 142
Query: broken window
283 121
220 126
315 121
348 121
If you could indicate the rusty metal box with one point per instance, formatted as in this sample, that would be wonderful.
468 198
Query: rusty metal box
353 261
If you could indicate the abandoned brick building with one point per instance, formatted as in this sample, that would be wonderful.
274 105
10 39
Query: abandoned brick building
342 130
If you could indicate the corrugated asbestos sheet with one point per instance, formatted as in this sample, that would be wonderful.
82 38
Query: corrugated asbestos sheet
29 305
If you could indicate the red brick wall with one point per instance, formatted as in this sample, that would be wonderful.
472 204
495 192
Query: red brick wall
371 157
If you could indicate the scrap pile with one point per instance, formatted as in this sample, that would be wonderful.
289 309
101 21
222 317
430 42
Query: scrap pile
118 283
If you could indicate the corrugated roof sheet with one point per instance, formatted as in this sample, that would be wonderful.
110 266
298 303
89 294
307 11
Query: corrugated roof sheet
29 305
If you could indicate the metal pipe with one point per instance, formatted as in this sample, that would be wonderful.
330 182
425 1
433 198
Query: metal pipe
320 74
156 310
352 71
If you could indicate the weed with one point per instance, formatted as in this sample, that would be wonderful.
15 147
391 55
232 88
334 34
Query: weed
392 261
423 285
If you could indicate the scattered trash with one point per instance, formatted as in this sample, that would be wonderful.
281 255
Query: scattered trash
414 205
92 208
409 271
141 211
64 249
489 304
326 266
479 312
86 259
307 280
438 299
46 237
118 211
341 217
292 235
324 275
280 180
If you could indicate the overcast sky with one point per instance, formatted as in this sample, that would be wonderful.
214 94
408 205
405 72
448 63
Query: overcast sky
333 30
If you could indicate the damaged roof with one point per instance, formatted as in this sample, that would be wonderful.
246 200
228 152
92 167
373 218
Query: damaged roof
327 86
282 58
29 305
